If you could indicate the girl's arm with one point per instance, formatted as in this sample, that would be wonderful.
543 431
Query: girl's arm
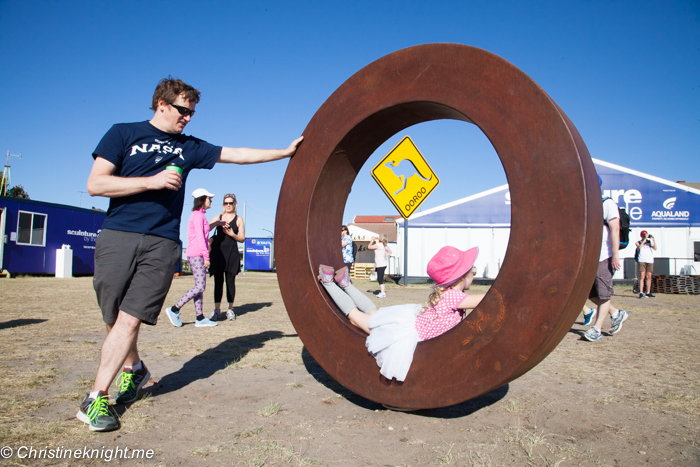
471 301
388 251
214 220
372 245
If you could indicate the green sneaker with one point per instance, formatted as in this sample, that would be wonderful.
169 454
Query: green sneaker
129 383
96 413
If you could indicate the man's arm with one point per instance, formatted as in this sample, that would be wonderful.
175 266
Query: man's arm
101 182
256 156
614 225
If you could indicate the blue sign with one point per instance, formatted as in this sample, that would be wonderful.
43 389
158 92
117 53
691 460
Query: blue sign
258 254
650 201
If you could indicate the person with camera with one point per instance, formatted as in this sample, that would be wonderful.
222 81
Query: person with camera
645 262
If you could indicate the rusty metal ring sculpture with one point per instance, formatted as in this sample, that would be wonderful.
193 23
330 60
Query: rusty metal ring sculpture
556 215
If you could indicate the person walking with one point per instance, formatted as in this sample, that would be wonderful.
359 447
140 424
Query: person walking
198 257
142 168
602 290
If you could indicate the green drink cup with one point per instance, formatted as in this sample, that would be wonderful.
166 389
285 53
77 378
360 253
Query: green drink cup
174 167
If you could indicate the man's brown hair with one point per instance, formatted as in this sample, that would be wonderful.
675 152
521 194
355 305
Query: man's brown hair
169 88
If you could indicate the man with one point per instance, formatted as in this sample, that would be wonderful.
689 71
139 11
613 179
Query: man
602 290
138 248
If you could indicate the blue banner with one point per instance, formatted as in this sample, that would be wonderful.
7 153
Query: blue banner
650 202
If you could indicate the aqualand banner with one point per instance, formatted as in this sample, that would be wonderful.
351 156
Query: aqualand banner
650 201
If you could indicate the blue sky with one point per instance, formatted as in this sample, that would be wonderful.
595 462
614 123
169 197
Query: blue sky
627 73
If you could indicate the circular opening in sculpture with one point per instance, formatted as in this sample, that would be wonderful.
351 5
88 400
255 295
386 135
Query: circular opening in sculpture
460 207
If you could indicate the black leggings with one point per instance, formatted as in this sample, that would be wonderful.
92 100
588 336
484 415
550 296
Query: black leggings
219 286
380 275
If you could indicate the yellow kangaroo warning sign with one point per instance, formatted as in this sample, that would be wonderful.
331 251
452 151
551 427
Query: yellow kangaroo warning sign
405 176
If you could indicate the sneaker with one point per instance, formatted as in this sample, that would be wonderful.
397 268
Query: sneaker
204 322
381 295
641 295
217 316
325 274
342 277
650 295
96 413
589 316
130 383
174 317
617 323
230 315
593 335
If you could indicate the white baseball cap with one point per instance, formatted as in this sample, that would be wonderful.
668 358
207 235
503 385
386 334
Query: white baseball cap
199 192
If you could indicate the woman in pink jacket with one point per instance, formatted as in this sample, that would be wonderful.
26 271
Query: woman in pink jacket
198 257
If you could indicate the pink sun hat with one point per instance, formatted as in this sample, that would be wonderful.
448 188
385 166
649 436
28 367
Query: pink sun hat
450 263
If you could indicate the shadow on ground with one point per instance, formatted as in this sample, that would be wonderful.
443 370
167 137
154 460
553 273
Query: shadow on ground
250 307
455 411
15 323
210 361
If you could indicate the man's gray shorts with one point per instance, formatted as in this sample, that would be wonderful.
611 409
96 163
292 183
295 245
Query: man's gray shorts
603 285
133 273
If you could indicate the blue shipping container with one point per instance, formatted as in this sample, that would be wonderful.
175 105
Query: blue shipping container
32 231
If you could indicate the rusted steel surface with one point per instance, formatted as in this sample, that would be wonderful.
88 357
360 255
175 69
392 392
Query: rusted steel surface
555 235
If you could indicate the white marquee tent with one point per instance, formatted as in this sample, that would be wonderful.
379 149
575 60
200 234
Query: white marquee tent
668 210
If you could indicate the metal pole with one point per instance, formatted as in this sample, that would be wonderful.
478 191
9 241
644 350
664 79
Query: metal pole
244 224
405 252
6 173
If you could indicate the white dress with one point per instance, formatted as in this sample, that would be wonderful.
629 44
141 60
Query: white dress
393 339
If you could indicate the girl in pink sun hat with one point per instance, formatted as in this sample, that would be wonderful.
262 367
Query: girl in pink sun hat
394 331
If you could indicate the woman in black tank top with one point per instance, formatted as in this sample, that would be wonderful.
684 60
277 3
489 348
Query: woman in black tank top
225 258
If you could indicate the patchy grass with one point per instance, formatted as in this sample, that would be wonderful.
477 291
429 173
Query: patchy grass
272 453
270 409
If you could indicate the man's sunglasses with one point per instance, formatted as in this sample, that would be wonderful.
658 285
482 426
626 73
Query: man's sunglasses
184 111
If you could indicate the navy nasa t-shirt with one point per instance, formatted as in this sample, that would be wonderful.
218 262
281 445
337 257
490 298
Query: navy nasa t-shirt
141 150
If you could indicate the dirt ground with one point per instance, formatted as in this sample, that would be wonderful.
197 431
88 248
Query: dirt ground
247 392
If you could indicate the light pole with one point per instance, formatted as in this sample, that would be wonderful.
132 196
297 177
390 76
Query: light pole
272 235
5 182
81 198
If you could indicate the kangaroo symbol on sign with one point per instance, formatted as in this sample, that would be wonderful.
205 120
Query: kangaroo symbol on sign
404 169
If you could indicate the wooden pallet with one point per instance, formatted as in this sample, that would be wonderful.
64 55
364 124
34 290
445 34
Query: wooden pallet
361 270
674 284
